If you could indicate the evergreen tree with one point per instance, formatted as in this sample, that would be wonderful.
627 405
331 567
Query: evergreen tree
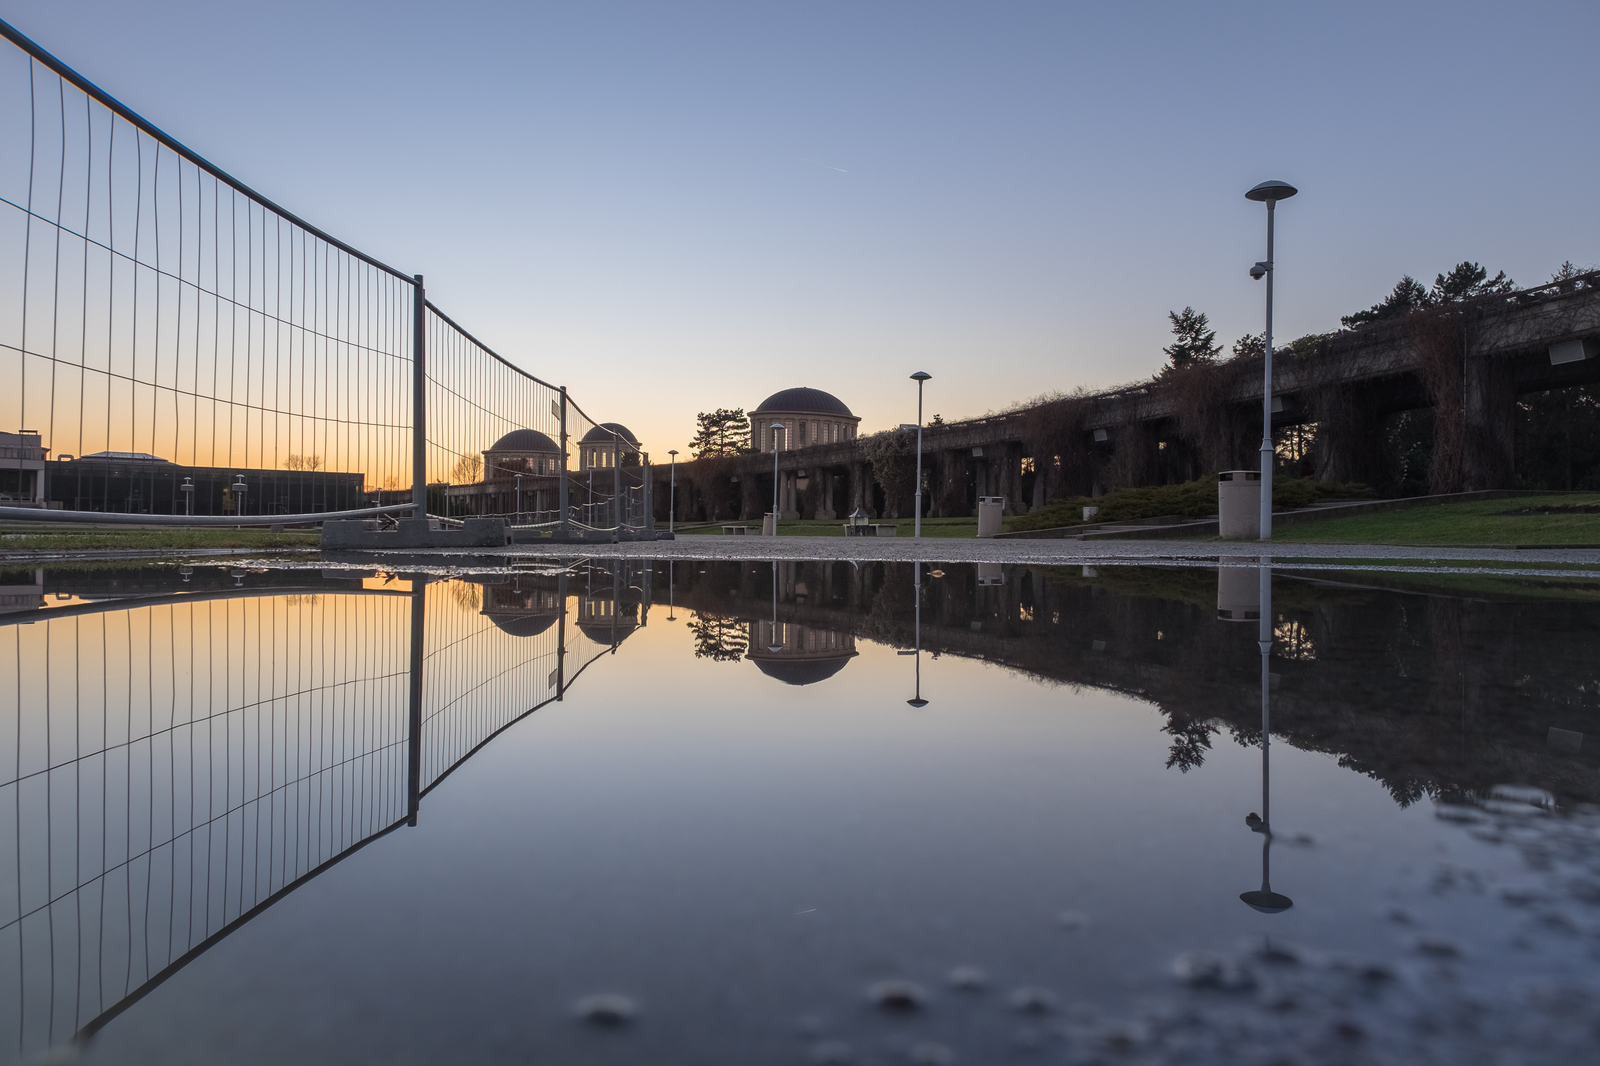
721 432
1250 345
1466 280
1408 296
1194 339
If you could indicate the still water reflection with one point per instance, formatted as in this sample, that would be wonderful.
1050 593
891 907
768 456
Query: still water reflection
738 801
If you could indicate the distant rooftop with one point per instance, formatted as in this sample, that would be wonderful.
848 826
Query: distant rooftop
126 457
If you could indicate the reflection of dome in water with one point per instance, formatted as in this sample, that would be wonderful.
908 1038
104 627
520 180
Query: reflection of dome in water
595 619
521 625
801 671
804 655
521 612
601 632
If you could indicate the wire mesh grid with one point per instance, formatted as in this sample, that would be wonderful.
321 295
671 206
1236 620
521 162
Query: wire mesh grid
169 769
159 322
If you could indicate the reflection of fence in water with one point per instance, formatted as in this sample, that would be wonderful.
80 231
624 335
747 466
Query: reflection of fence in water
173 767
167 770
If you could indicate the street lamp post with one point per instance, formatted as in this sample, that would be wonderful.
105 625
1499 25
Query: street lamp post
672 499
919 377
777 427
519 499
1268 192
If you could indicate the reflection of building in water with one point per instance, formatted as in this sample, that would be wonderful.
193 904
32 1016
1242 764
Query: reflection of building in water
613 600
16 596
804 655
525 606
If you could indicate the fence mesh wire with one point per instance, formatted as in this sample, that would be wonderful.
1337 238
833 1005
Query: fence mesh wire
168 769
176 344
158 323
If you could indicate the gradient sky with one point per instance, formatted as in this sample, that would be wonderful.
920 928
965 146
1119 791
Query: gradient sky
670 207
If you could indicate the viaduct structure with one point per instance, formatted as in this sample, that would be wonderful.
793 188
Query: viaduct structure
1468 362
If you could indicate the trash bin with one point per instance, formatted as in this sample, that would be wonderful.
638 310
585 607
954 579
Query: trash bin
1238 593
769 525
990 508
1239 504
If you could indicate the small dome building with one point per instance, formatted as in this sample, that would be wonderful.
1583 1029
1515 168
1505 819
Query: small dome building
598 447
522 451
808 416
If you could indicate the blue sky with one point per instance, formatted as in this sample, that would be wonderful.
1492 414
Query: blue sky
671 207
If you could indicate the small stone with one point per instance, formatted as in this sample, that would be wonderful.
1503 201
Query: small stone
968 979
1202 969
606 1009
897 997
1437 947
1033 1000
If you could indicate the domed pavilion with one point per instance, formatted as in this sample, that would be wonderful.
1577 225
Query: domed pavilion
808 416
598 447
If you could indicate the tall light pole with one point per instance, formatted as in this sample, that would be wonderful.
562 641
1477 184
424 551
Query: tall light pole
672 505
919 377
777 427
518 477
1268 192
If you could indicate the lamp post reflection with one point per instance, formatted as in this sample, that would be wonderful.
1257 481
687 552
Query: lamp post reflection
916 637
1265 900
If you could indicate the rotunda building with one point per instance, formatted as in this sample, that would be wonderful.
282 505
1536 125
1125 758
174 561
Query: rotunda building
808 416
598 447
522 451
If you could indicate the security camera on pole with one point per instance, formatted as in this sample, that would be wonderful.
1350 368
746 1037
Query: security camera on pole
1268 192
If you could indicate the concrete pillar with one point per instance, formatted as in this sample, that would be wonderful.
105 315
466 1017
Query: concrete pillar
1349 445
750 506
1489 401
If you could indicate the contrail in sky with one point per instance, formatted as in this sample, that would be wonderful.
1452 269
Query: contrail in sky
830 166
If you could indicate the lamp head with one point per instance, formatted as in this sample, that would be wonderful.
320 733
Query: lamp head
672 451
1258 271
1271 191
921 375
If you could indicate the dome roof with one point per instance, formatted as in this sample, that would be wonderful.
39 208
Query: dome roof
598 434
808 401
525 440
801 671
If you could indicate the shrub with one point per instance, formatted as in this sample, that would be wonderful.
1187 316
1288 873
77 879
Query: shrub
1191 499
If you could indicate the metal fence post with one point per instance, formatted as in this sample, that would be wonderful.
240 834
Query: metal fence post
419 602
648 519
565 529
419 400
561 634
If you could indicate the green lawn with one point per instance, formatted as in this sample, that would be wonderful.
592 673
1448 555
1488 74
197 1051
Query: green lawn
155 539
931 527
1481 523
